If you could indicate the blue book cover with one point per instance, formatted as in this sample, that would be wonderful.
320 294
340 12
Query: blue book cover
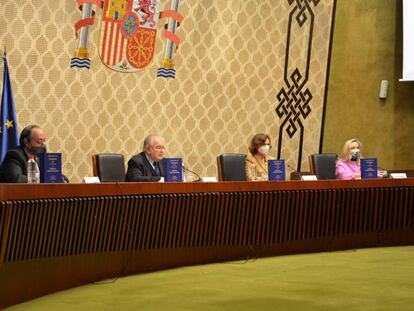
173 169
276 169
50 166
369 168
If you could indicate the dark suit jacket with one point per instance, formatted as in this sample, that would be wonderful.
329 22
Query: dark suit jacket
139 169
14 166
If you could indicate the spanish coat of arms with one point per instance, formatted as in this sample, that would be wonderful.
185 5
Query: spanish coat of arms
128 34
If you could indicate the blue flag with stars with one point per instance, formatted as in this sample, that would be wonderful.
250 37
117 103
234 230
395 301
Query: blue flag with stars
9 138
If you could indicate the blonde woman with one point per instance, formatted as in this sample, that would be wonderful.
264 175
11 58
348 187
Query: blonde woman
257 160
348 165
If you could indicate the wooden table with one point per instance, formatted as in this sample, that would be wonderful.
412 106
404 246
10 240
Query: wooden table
57 236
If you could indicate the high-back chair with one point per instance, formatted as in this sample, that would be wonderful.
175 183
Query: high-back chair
109 167
231 167
323 165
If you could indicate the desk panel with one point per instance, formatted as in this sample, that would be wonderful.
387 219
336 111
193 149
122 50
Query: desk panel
59 236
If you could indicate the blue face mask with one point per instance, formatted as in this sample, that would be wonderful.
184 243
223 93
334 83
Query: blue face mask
355 155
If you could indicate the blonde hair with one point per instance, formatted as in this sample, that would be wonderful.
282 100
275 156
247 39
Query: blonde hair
346 153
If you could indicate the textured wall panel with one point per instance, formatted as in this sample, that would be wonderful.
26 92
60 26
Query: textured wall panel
230 67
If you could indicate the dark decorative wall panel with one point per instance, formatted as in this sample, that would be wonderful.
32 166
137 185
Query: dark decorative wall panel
78 226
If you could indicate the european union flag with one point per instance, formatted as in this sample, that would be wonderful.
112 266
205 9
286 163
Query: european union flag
9 138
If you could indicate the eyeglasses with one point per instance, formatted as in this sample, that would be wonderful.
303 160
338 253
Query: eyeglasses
158 147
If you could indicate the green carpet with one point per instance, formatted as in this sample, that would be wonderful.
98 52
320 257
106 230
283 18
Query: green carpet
363 279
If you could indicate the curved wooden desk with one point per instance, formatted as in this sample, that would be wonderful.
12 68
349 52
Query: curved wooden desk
57 236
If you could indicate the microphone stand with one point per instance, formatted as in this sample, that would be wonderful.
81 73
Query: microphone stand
294 171
194 173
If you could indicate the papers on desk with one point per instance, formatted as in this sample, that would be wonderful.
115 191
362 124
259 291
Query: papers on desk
308 177
208 179
91 180
398 175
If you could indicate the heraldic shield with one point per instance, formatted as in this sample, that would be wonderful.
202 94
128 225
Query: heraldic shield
128 33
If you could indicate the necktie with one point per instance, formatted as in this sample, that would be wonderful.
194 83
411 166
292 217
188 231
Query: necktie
157 169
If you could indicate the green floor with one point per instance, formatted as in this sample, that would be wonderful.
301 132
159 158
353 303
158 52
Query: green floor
364 279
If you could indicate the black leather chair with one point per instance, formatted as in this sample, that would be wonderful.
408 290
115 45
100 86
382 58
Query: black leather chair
231 167
323 165
109 167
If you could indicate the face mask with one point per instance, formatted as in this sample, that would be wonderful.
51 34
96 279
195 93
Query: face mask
355 155
36 150
264 150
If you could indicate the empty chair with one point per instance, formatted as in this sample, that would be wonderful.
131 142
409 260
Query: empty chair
231 167
323 165
109 167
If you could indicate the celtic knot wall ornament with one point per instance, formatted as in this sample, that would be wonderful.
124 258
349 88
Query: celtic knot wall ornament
303 8
294 98
293 104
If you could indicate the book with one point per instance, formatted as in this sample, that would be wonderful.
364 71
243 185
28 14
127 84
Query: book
276 169
173 169
369 168
50 167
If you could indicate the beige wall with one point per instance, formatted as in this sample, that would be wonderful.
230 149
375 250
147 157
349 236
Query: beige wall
367 49
229 69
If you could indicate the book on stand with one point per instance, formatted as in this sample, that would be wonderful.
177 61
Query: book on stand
50 167
276 170
173 169
369 168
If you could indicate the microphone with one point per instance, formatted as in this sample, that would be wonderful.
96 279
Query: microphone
296 174
291 168
65 179
383 172
194 173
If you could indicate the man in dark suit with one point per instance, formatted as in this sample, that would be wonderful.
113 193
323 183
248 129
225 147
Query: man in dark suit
147 165
13 169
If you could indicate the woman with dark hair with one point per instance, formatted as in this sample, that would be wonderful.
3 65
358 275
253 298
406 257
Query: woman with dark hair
256 162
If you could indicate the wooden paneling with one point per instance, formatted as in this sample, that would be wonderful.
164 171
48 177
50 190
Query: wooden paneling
79 236
10 192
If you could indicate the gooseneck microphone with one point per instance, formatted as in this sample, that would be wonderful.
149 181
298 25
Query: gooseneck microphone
291 168
194 173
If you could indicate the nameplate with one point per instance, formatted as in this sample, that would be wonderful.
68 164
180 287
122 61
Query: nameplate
369 168
208 179
173 169
276 170
50 167
309 177
398 175
91 180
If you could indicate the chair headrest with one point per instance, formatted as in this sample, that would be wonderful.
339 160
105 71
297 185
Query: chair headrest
233 166
111 167
323 165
